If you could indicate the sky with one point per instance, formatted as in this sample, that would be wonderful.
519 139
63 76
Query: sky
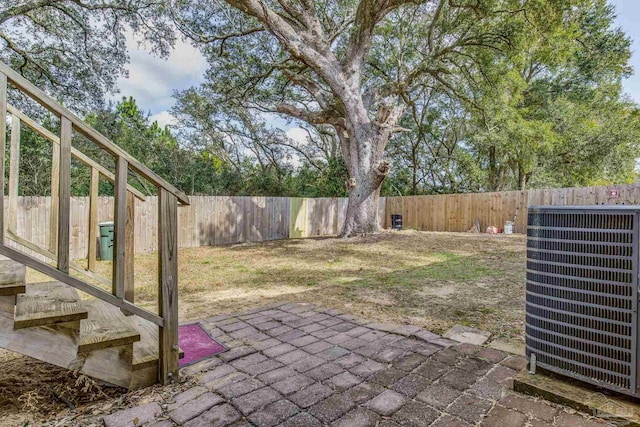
153 80
628 19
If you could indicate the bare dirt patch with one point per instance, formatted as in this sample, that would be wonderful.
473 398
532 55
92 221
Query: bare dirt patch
432 280
31 391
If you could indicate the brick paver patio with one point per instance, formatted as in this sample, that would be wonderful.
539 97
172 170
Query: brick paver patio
298 365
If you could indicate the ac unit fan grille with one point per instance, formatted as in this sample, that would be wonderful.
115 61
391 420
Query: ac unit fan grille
581 317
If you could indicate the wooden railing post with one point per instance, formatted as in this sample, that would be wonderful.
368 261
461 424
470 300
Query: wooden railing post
168 285
64 194
129 247
93 219
14 173
3 144
55 187
120 227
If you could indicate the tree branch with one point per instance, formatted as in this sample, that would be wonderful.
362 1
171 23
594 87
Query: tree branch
311 117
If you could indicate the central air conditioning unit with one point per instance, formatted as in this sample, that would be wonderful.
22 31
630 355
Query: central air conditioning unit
582 293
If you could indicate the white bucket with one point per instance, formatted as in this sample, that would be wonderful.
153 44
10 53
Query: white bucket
508 227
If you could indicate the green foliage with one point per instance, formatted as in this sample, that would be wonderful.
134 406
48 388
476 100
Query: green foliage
529 95
76 49
35 162
329 180
548 113
195 170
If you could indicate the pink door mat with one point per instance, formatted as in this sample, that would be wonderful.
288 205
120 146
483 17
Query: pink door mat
197 344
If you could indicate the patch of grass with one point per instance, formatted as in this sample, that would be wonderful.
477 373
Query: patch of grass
459 267
442 267
435 280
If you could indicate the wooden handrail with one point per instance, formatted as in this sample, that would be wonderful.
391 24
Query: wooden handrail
52 256
102 141
86 160
56 274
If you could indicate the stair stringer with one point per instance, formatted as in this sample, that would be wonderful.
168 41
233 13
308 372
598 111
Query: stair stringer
58 345
42 343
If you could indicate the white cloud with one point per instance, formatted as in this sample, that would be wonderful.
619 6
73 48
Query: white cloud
164 118
299 135
152 80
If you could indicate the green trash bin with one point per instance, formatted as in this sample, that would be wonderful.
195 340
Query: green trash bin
106 241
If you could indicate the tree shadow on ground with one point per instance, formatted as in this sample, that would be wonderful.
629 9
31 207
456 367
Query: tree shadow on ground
451 289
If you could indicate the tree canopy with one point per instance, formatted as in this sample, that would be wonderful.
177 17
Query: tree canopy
76 49
389 96
489 95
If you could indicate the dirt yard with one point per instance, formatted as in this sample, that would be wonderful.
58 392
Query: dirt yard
434 280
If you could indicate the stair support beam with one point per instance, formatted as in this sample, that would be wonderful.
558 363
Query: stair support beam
168 286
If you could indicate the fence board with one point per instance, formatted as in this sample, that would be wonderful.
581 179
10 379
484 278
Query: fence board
458 212
219 220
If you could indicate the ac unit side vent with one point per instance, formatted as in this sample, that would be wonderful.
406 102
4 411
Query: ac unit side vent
580 235
593 248
602 287
581 293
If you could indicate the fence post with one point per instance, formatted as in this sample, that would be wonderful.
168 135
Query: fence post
168 285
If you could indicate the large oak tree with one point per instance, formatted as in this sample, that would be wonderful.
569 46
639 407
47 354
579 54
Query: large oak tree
75 49
350 64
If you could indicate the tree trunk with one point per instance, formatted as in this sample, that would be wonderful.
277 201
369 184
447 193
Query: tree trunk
493 175
362 209
363 151
522 178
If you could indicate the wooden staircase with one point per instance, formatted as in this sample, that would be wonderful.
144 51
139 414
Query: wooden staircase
49 322
104 334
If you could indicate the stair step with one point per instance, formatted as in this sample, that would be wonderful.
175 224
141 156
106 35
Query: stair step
105 327
12 273
12 289
47 303
145 352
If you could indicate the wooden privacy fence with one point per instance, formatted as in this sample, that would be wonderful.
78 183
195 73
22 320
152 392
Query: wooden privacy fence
219 220
207 221
458 212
